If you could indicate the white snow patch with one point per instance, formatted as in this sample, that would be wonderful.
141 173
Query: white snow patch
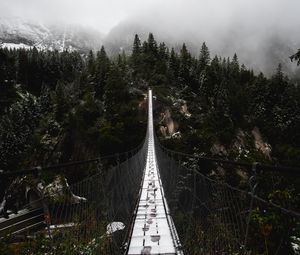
176 135
114 226
296 244
67 225
260 144
184 110
59 189
15 46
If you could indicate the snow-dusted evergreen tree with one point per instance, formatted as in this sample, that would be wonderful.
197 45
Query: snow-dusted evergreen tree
204 58
101 72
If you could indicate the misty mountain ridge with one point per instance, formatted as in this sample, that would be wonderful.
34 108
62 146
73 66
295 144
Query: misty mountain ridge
262 53
19 33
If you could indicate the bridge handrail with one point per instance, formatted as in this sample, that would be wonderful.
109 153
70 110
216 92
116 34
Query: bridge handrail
38 169
245 192
259 166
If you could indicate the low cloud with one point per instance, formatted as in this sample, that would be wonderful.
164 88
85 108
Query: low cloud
254 29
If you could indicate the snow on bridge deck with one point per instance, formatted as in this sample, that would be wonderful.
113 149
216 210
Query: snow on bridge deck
153 231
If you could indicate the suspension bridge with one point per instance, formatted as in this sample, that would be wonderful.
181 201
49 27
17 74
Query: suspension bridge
154 231
152 200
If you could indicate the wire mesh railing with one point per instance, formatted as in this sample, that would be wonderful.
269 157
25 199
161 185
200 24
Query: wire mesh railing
224 209
92 216
100 218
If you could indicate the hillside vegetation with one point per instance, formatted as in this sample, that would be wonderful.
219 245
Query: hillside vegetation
60 107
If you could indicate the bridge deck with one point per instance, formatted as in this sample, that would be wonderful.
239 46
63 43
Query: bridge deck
153 231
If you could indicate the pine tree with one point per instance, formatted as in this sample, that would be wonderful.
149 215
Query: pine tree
173 66
136 49
234 65
258 93
101 71
136 55
277 86
185 65
34 79
16 130
152 44
162 51
149 58
91 63
204 58
278 82
201 71
216 71
161 64
52 68
122 61
116 91
279 73
22 67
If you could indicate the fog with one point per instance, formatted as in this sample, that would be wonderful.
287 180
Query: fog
98 14
260 31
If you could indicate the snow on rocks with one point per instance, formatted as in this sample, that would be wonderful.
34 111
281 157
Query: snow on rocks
260 144
59 190
184 110
15 46
295 244
23 191
176 135
114 226
218 149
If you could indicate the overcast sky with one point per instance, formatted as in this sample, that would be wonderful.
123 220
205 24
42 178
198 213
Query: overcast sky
99 14
262 32
182 14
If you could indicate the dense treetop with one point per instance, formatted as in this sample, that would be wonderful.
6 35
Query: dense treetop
58 107
94 100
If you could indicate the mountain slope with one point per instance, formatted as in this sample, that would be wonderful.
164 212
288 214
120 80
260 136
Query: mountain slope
16 33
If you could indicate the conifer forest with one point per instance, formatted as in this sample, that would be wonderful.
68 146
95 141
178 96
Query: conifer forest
223 121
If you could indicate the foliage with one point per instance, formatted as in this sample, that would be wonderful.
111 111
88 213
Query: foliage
58 107
296 57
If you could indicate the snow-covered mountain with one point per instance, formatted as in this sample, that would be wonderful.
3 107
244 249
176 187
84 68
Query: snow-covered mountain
19 33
